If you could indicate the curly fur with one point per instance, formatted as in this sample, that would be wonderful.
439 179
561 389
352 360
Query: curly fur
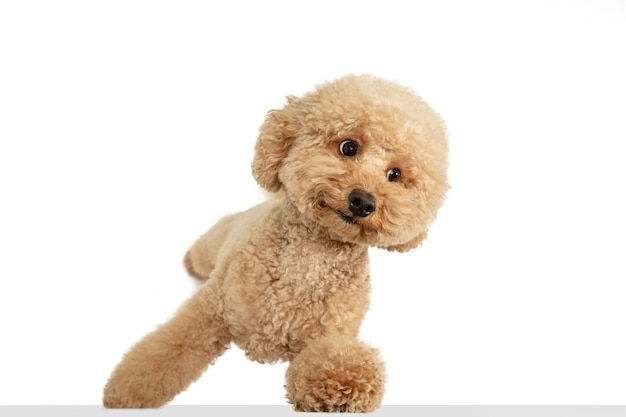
288 280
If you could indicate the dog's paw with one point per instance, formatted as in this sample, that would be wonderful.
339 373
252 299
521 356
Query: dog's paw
337 376
122 397
194 270
338 396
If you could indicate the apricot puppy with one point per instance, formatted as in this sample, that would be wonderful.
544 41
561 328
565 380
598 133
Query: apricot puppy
361 162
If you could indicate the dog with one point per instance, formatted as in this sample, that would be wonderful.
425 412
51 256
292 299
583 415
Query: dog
358 162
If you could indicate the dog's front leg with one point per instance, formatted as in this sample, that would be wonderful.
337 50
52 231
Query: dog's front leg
167 360
336 373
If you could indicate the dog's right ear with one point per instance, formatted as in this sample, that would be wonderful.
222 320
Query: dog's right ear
275 137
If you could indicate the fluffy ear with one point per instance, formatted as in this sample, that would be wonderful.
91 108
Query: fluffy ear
407 246
275 137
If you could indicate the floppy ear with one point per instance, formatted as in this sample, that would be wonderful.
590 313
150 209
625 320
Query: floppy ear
272 146
407 246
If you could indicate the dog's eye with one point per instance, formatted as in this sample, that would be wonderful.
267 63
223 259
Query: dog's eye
348 147
393 174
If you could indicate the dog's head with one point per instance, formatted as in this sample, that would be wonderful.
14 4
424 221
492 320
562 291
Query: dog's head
364 157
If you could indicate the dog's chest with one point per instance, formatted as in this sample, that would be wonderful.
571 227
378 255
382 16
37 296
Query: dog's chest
296 291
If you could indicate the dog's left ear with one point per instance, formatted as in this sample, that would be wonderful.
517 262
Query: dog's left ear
407 246
272 146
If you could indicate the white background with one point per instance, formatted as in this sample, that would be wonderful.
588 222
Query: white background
127 128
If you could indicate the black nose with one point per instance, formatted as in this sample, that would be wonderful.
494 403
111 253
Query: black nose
362 204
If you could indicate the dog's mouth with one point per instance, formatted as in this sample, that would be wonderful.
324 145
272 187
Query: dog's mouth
346 218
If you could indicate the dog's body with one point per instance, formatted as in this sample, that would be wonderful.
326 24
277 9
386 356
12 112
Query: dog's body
272 304
361 162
